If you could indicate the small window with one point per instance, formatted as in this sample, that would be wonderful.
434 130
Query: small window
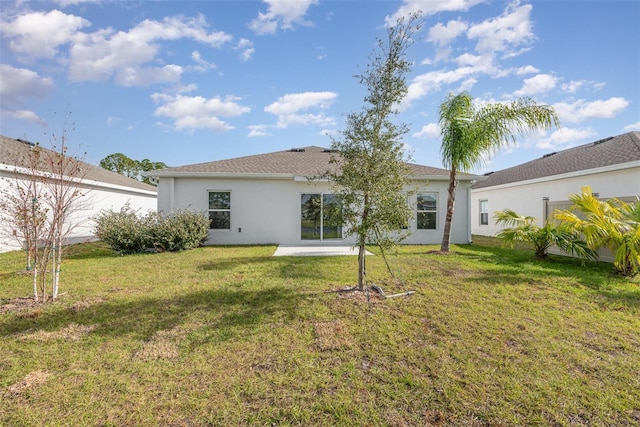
484 212
427 208
220 210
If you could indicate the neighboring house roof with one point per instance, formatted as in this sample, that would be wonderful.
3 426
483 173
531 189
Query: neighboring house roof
15 153
603 153
309 161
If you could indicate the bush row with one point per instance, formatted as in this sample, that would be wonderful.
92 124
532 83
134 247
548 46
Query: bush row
128 232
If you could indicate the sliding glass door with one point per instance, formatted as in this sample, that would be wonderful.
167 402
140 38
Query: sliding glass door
320 217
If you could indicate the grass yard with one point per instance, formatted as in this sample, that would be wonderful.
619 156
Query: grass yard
233 336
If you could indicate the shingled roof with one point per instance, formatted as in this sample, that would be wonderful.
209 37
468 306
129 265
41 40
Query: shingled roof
309 161
15 153
611 151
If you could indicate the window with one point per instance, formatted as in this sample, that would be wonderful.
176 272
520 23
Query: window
220 210
484 212
320 217
427 208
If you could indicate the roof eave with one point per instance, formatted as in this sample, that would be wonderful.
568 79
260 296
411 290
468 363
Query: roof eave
221 175
603 169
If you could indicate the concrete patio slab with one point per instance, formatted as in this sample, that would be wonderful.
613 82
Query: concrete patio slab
285 250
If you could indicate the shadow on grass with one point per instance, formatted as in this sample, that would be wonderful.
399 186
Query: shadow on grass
223 313
89 250
307 267
597 277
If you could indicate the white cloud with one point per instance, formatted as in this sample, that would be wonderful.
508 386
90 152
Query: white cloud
443 34
281 15
257 130
196 112
246 49
426 83
429 7
538 84
432 130
65 3
146 76
25 115
290 108
580 110
294 102
19 83
16 86
564 138
39 34
572 86
632 127
504 32
527 69
203 65
480 63
106 54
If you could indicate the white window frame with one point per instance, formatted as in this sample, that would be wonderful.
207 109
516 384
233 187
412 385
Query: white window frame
484 210
321 226
436 196
209 209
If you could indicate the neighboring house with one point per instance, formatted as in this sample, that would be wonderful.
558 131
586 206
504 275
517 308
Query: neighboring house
270 199
101 189
610 166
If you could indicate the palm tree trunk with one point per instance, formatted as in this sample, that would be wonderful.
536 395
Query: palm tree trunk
451 200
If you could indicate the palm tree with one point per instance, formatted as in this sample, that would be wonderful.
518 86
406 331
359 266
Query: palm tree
524 229
612 224
471 133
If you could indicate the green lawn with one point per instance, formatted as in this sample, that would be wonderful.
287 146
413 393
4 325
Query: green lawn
234 336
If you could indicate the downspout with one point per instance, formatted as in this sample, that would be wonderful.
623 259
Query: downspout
469 237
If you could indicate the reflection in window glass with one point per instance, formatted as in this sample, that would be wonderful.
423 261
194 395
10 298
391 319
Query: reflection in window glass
484 212
320 217
220 210
426 209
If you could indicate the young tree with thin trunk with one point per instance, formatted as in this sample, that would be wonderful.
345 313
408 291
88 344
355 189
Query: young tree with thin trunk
371 173
64 200
42 205
472 133
22 213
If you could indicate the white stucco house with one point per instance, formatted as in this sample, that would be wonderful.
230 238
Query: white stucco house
100 189
269 199
610 166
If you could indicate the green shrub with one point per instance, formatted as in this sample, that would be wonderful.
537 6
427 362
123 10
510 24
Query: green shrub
125 231
180 230
128 232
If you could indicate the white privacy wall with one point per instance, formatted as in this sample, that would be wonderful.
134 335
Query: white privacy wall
96 197
267 210
526 197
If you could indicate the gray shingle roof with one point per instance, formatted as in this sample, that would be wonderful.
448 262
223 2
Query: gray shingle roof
605 152
307 162
15 152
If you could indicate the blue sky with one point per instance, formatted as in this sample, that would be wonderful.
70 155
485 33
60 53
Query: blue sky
186 82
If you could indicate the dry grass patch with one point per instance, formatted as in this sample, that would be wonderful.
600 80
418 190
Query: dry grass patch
332 335
163 345
73 332
29 381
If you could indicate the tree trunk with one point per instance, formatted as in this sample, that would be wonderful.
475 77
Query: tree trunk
34 278
451 200
362 241
362 266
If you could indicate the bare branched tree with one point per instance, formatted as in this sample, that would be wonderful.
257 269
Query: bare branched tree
42 204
